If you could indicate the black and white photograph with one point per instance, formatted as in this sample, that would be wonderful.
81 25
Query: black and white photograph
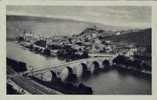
92 50
92 0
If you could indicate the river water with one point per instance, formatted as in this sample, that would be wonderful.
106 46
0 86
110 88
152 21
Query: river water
110 82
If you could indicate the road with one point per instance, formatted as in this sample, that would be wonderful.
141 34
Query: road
30 85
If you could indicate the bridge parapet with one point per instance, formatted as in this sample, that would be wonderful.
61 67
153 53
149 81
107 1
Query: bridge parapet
76 66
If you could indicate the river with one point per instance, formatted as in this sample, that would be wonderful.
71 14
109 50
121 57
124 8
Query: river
110 82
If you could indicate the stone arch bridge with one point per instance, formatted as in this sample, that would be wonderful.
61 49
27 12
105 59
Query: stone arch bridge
77 68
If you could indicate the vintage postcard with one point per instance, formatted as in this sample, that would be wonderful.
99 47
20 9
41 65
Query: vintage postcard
93 50
78 50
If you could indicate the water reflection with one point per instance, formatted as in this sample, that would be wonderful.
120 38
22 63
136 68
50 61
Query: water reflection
36 60
109 82
113 82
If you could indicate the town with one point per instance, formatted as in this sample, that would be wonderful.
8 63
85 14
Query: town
115 51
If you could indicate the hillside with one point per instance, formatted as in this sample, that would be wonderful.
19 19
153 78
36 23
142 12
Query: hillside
50 26
142 37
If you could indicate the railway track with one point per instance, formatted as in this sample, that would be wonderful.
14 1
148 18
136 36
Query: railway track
29 85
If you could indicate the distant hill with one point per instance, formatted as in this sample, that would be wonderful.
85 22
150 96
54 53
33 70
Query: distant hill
141 37
51 26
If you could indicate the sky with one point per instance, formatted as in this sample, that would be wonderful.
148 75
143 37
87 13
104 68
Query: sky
128 16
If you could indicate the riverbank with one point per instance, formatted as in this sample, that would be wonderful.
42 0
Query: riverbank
108 82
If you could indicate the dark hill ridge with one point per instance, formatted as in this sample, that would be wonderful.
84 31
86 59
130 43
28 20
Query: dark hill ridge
142 37
51 26
53 19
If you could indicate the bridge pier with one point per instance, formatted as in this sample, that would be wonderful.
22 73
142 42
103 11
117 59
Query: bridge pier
67 75
71 76
54 77
77 70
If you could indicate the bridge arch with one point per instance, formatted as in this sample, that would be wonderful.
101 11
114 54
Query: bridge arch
106 63
96 66
85 69
54 77
68 74
71 75
46 76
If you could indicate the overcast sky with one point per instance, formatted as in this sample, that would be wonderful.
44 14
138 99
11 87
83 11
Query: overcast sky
133 16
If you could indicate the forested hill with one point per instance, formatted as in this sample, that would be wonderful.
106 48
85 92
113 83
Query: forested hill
141 37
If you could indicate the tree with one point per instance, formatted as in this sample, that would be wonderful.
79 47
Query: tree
120 59
137 64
